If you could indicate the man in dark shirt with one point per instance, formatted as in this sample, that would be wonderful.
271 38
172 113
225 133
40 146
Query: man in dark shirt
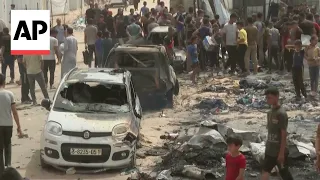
105 11
276 153
97 13
109 20
7 58
90 13
120 27
306 26
102 26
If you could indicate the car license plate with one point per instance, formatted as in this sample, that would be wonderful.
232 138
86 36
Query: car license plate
85 152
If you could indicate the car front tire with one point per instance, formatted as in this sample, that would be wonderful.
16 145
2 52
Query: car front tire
43 164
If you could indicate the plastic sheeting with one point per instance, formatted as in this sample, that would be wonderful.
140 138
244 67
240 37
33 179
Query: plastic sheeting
222 11
59 7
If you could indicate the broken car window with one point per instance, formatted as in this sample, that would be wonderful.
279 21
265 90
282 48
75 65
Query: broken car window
92 97
136 60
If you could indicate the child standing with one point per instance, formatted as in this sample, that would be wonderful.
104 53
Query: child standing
99 51
297 69
312 55
193 56
235 161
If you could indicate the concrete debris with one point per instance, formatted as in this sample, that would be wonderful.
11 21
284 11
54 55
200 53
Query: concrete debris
257 150
194 172
299 149
164 175
213 106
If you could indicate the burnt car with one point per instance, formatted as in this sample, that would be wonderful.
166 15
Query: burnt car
153 77
156 37
93 121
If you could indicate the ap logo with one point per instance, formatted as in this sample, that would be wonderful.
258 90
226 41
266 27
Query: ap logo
30 34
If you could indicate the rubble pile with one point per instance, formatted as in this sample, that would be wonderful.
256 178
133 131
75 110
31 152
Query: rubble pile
199 152
249 94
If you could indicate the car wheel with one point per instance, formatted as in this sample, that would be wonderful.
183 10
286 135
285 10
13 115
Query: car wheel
133 158
43 164
169 96
176 88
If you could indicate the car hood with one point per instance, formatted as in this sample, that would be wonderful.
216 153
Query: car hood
79 122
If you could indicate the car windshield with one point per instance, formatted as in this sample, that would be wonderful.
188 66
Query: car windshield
136 60
94 97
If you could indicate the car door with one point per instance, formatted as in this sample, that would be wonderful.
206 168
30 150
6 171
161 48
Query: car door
136 107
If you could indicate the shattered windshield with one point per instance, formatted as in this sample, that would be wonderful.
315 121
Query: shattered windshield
136 59
89 97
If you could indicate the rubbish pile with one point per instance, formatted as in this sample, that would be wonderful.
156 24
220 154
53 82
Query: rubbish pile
79 24
199 152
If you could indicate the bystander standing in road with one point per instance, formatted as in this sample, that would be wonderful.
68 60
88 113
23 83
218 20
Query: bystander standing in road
297 69
276 153
242 46
312 55
99 47
120 27
107 45
230 34
25 89
90 36
90 13
97 13
261 29
251 53
8 108
144 9
7 58
274 47
60 35
133 30
34 66
192 53
69 53
49 61
102 25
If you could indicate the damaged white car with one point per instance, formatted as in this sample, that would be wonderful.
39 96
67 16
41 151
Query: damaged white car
94 121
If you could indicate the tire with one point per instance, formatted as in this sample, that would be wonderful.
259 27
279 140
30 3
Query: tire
176 88
169 96
43 164
133 160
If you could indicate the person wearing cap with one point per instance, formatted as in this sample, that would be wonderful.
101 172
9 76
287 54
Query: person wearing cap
276 152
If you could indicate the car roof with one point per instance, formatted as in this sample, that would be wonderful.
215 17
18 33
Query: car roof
160 29
108 75
138 48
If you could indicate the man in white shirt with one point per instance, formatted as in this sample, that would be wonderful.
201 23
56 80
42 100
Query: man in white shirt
60 35
49 61
230 34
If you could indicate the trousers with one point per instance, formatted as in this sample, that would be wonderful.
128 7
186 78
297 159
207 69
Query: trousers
32 83
5 147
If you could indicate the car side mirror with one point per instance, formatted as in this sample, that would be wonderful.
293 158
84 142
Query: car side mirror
46 103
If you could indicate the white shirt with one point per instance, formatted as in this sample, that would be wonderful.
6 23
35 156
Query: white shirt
53 44
230 30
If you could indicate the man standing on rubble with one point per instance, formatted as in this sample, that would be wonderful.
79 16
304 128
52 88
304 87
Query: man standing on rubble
276 153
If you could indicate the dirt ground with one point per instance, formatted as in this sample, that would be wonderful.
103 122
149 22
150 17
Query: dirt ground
26 151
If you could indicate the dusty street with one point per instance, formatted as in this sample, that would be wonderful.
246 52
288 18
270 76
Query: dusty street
184 116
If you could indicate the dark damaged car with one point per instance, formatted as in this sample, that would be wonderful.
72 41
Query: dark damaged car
154 78
93 121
